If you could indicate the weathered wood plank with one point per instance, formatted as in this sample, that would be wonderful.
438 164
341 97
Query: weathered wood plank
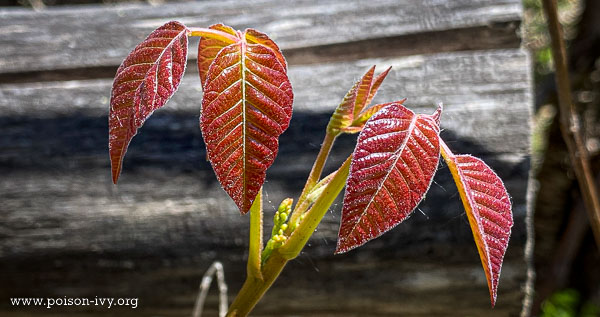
152 235
154 208
168 218
67 231
367 285
166 221
486 93
70 38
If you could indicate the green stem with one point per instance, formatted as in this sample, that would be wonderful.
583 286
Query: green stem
254 288
213 34
256 234
294 244
313 177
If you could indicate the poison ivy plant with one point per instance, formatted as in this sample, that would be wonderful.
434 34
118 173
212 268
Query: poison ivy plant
247 105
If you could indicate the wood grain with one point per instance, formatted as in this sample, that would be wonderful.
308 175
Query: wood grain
483 92
59 203
102 36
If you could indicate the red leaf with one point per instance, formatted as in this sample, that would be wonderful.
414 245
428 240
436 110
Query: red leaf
375 85
488 209
144 82
363 91
366 114
208 48
344 113
393 164
345 117
247 104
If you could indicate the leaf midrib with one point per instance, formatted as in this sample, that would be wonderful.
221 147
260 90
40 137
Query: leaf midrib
397 153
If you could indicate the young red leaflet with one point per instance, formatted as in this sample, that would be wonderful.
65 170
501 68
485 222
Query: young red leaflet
247 104
361 119
346 117
144 82
488 209
393 164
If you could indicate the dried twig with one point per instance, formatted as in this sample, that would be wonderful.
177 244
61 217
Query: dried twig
569 122
217 268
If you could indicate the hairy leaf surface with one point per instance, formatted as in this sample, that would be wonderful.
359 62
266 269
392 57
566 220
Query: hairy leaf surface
488 209
144 82
247 104
393 164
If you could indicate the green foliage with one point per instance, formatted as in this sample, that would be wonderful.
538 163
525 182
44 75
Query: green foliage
566 303
535 31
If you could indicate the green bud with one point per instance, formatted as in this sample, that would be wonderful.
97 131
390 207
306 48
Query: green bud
285 205
283 217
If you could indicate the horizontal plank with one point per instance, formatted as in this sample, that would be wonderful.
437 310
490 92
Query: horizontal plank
167 219
79 37
58 197
75 208
487 94
491 37
57 148
347 285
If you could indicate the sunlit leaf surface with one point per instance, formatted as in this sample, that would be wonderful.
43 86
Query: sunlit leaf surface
247 104
144 82
393 164
489 211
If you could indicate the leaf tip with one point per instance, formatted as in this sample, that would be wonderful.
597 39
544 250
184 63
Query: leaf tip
371 71
493 298
385 72
115 177
116 164
244 203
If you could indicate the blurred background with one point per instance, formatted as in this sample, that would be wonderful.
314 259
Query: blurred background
66 231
